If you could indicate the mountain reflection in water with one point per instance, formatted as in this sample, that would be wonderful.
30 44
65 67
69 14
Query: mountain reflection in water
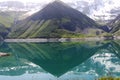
64 61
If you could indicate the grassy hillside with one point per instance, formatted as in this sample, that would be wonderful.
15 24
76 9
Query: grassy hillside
117 33
115 24
6 21
7 18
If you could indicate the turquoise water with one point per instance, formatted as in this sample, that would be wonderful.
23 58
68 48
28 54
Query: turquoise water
59 61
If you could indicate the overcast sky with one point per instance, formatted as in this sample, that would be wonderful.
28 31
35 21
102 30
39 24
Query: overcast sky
29 0
107 6
115 1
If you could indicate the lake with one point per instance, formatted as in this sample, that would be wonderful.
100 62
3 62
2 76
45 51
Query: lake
60 60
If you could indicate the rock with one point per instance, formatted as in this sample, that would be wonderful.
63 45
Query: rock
4 54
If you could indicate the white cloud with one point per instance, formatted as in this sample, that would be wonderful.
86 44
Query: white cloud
116 2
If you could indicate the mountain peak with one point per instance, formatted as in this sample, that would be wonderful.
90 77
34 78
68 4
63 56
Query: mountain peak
54 20
56 9
58 1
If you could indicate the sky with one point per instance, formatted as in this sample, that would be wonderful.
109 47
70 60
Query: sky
117 1
36 1
105 7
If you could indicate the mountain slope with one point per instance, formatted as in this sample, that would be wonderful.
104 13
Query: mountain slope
54 20
3 31
115 24
6 18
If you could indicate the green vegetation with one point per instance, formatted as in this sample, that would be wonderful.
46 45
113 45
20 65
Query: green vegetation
116 28
115 24
64 20
66 34
43 28
109 78
47 29
69 23
7 18
117 33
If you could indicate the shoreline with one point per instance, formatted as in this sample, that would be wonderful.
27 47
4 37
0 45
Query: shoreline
60 39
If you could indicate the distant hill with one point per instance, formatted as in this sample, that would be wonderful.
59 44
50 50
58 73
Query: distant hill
115 24
6 18
6 21
55 20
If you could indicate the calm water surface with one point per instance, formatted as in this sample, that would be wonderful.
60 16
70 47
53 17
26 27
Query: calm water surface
60 61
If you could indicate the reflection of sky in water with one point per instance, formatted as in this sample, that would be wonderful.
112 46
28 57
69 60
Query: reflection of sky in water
44 76
38 76
100 64
113 62
60 61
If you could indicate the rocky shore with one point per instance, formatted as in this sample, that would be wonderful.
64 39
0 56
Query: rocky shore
59 39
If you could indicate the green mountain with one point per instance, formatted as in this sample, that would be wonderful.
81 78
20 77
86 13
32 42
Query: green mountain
6 21
55 20
7 18
115 24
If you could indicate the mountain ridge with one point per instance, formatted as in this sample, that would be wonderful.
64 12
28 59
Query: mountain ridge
3 32
115 24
